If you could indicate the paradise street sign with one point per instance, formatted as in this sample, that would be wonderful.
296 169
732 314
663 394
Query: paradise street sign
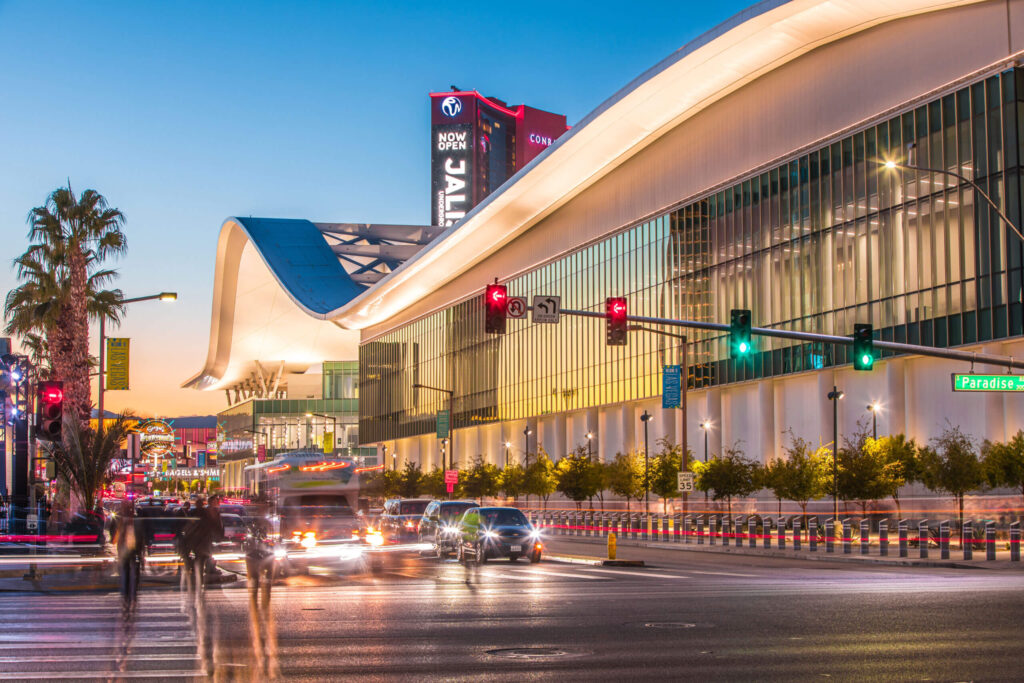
973 382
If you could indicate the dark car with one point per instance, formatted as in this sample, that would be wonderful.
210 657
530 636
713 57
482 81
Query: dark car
497 532
439 525
401 518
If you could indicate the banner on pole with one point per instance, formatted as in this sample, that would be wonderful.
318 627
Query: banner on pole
117 364
671 386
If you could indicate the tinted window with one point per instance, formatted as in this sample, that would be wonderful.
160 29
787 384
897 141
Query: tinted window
502 517
413 507
453 512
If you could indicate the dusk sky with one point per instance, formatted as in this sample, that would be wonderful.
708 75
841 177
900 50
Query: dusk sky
184 113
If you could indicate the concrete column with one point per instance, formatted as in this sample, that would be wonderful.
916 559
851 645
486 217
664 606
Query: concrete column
826 380
768 448
892 418
780 419
630 418
714 413
609 431
560 445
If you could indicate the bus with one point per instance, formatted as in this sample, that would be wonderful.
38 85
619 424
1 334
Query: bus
310 492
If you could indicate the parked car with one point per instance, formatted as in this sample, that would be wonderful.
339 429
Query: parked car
439 525
401 518
486 533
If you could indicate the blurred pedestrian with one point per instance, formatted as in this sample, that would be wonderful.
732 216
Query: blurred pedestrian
130 542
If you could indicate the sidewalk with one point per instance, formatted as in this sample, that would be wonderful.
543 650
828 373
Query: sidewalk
592 549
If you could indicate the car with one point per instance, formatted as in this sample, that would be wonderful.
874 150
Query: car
439 525
494 532
235 529
401 517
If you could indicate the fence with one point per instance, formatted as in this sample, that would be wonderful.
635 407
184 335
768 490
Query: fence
837 536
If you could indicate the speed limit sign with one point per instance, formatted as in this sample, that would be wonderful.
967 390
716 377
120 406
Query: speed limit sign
686 482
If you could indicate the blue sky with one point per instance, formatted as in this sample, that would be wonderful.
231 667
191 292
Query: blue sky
184 113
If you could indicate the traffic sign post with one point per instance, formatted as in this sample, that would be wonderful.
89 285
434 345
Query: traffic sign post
1000 383
451 478
547 309
443 423
686 482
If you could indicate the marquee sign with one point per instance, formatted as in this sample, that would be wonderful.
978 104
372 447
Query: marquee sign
194 472
157 438
451 161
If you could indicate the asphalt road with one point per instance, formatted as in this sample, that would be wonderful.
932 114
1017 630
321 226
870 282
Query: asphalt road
687 616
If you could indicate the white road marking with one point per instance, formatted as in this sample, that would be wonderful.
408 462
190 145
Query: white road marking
638 572
548 572
694 571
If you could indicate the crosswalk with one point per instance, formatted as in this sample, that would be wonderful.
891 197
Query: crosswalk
498 572
85 637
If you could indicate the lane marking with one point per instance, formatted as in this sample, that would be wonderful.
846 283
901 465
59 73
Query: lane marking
635 573
548 572
751 576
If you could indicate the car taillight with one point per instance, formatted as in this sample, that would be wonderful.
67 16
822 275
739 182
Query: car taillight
409 524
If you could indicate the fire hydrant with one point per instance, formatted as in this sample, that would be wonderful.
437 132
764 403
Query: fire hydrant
612 545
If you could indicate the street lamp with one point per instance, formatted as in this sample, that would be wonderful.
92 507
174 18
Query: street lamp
384 456
911 165
874 407
834 396
162 296
508 445
526 447
590 446
706 426
645 418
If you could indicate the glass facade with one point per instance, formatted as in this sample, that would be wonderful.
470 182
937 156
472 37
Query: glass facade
824 240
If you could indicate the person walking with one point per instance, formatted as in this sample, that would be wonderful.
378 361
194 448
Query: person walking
130 542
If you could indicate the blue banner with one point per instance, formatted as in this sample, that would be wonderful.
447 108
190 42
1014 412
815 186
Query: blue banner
671 386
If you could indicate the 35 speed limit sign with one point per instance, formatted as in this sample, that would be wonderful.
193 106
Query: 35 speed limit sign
686 482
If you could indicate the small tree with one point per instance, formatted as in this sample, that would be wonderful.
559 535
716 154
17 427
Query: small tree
511 481
1004 462
480 480
728 475
951 464
433 483
664 471
409 481
625 476
900 464
575 477
84 455
861 474
540 477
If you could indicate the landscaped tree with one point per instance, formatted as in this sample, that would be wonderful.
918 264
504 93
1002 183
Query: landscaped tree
951 464
540 477
625 476
900 464
664 471
433 483
409 481
575 476
62 284
480 480
1004 462
512 481
804 475
84 455
728 476
861 475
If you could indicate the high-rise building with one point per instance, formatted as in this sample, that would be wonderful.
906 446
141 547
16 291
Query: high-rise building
477 143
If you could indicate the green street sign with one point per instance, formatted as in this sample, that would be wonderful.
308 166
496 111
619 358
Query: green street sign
443 422
987 382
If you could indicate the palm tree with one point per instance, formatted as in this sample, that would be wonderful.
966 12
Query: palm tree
63 286
84 454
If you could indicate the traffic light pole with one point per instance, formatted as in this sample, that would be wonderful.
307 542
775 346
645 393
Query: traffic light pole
900 347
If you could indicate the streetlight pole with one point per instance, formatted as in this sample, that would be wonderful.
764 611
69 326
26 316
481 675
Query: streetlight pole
834 396
706 426
526 447
874 407
645 418
162 296
451 416
590 446
508 445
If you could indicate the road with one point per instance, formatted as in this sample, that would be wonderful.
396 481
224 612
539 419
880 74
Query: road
689 616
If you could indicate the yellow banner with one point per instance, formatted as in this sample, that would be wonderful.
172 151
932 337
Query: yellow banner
328 442
117 363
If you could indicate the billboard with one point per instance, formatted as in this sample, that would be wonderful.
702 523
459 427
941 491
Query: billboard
451 163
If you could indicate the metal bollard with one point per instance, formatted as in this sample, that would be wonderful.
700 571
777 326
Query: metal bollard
781 538
673 525
797 532
635 526
944 539
990 541
712 522
904 547
666 526
726 529
751 532
830 535
1015 542
967 540
865 536
700 529
648 529
883 538
847 536
812 534
922 539
766 531
612 546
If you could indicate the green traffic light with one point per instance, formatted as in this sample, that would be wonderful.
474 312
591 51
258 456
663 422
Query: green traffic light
743 347
866 359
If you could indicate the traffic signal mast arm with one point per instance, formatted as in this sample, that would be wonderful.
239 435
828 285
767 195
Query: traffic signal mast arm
951 354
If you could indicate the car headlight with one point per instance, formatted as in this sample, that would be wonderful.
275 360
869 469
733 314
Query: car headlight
280 554
535 534
490 534
308 540
375 538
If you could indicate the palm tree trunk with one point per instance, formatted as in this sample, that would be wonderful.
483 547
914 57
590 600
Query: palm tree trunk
75 341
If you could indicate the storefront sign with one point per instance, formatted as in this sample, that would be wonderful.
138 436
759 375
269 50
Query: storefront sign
117 364
971 382
194 472
157 438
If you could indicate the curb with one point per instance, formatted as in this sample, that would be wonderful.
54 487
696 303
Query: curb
823 557
594 561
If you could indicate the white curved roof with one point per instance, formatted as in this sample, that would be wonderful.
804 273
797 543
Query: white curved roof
750 44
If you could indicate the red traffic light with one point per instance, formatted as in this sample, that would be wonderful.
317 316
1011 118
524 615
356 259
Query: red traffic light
495 299
50 410
615 310
52 394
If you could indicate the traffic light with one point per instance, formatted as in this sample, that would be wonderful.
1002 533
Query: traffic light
495 300
50 410
863 348
615 314
739 334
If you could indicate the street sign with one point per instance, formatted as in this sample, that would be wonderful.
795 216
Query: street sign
516 307
450 488
32 522
451 477
443 423
671 386
686 482
1003 383
546 309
